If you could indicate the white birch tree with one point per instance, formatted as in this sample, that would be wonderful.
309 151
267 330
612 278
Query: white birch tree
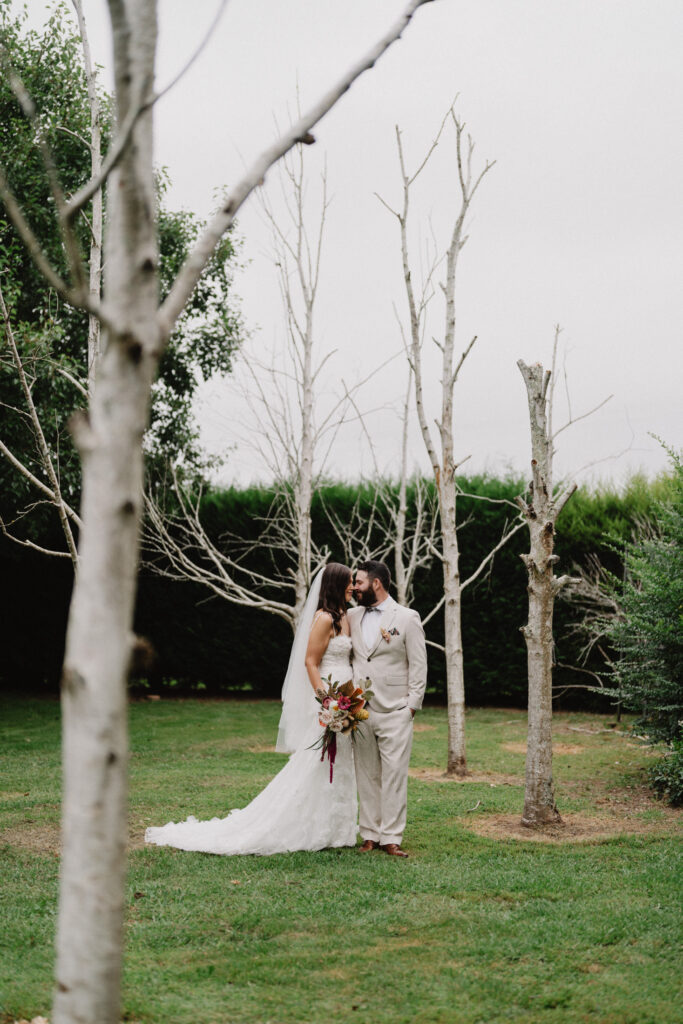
135 330
288 431
95 146
441 450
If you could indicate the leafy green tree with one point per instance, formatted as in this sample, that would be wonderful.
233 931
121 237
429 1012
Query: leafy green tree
51 336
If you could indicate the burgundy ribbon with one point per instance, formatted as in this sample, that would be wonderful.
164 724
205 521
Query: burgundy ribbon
331 752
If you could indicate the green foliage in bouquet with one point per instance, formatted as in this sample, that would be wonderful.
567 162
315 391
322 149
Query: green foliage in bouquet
342 708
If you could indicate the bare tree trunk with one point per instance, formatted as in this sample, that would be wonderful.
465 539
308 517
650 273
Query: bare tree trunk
400 574
541 512
95 262
441 456
304 483
539 799
455 666
94 816
297 260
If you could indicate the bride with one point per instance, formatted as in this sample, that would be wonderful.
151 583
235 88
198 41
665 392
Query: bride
300 809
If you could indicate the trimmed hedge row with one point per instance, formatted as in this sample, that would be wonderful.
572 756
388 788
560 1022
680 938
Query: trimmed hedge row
206 645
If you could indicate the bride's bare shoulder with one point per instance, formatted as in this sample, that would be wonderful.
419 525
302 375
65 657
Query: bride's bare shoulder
322 618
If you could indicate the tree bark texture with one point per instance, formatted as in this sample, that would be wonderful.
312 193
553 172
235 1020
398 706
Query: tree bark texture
96 225
455 666
94 816
441 456
540 512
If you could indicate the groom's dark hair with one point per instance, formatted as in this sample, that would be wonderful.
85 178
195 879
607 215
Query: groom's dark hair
377 571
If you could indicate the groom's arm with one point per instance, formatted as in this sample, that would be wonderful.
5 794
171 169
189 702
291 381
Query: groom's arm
416 652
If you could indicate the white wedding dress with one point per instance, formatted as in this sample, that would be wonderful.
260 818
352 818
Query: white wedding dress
299 809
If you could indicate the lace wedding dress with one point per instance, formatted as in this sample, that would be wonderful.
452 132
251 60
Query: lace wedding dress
299 809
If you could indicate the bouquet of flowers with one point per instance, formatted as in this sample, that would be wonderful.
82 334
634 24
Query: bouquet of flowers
342 708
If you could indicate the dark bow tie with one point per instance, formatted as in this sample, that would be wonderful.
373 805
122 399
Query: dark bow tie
374 609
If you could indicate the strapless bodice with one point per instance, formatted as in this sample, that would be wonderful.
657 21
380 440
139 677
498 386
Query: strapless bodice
336 660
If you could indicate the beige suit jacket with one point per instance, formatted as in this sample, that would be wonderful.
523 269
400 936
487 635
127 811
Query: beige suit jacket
397 667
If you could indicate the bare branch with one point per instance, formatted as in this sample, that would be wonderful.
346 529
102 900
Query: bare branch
46 459
197 53
439 604
29 544
300 132
434 144
25 471
583 416
386 205
31 242
72 380
463 357
488 560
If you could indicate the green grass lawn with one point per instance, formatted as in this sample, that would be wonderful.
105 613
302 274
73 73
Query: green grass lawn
477 927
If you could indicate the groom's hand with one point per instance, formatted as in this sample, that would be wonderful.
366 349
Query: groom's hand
412 712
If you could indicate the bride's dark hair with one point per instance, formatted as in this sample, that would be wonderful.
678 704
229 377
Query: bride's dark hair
336 578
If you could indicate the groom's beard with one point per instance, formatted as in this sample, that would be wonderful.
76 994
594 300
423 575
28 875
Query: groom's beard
366 598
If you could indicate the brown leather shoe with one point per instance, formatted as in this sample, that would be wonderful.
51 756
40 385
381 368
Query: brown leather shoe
368 845
394 850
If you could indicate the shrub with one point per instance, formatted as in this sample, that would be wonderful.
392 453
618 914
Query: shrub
666 775
648 635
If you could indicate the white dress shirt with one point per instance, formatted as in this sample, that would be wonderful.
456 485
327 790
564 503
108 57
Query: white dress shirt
370 623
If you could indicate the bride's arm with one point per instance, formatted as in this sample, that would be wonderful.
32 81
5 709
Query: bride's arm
321 632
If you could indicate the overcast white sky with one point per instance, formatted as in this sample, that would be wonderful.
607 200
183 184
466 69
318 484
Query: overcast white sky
580 222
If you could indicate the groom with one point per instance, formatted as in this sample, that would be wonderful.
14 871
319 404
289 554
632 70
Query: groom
389 648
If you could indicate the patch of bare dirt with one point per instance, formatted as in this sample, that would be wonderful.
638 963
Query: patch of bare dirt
576 827
34 1020
591 968
558 748
34 838
422 727
518 747
490 778
46 838
636 800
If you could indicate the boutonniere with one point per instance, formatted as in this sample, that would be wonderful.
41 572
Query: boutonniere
387 634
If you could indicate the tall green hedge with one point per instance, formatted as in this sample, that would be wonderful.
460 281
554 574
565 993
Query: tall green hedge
204 644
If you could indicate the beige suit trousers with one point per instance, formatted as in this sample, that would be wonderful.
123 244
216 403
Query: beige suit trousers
396 667
382 756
